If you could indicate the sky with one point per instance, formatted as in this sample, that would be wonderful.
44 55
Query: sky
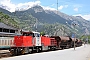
70 7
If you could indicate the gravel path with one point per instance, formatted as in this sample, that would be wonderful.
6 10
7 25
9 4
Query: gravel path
80 53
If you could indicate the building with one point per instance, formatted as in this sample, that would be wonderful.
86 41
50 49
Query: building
7 34
7 30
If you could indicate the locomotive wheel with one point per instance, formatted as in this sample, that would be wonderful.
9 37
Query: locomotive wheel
37 50
12 52
22 51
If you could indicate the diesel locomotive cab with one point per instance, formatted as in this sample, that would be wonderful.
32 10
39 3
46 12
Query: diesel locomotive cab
36 37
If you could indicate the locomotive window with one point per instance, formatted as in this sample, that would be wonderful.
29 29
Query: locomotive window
31 34
28 34
25 34
37 35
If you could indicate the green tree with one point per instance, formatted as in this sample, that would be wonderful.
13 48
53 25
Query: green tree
42 33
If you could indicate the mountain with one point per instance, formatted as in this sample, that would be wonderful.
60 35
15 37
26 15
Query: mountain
43 15
8 20
4 11
49 21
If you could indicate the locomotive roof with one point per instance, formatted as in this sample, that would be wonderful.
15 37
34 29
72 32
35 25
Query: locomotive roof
26 31
2 25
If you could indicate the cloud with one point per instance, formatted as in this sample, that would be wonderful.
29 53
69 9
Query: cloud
48 8
87 17
7 3
76 9
11 7
27 5
62 6
59 8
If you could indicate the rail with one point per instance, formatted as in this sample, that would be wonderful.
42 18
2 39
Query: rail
4 53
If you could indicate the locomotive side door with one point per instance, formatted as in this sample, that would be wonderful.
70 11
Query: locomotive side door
37 39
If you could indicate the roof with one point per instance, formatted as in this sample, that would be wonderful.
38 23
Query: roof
2 25
8 34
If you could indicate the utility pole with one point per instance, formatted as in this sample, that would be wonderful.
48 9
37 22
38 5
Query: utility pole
86 33
57 14
57 7
36 24
74 24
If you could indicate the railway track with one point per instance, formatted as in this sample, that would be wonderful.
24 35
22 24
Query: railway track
4 53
